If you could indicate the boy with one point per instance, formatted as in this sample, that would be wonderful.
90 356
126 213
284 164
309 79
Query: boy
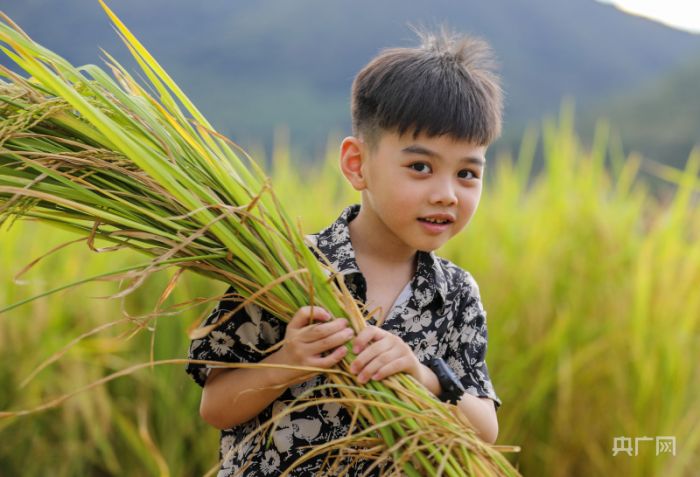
422 120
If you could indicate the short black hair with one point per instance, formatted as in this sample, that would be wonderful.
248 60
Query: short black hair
445 86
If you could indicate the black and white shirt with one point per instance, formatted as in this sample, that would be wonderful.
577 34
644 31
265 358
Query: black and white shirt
439 314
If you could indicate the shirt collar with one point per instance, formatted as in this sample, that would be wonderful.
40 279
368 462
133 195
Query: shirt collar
334 242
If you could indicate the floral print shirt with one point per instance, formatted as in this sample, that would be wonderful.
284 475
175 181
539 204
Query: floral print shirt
439 316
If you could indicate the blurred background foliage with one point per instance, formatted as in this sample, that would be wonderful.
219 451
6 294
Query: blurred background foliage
589 281
585 245
253 66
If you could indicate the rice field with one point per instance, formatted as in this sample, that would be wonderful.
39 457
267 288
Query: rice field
589 282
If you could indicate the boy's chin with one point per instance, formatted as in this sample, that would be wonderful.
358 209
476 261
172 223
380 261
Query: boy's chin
429 247
422 242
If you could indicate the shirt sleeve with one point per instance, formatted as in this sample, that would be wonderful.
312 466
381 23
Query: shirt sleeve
243 338
466 353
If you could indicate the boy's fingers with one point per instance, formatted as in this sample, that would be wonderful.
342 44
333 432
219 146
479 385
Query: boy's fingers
316 332
374 365
329 342
368 355
316 313
364 337
306 314
382 356
331 359
391 368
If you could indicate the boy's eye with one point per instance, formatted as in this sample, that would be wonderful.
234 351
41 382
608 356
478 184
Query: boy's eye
420 167
466 174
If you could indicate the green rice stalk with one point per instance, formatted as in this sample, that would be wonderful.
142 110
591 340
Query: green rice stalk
97 154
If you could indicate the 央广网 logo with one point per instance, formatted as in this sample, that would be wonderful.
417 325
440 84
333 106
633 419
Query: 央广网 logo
623 444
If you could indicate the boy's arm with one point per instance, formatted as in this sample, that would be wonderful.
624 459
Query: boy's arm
234 396
481 413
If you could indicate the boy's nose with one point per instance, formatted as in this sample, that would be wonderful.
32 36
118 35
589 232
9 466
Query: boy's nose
444 193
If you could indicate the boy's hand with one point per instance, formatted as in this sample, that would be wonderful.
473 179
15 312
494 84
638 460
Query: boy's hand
305 342
381 354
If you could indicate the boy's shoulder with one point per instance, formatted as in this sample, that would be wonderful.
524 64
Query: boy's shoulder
457 280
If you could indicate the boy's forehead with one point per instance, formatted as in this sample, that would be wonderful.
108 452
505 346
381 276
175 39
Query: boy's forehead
411 142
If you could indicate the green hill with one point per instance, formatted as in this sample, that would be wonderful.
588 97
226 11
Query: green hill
661 119
254 65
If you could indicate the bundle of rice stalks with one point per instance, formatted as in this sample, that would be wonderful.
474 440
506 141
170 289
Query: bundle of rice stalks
99 155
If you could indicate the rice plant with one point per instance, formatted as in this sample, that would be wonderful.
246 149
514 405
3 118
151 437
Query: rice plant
99 155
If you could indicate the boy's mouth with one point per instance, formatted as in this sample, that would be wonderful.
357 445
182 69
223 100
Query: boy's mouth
437 219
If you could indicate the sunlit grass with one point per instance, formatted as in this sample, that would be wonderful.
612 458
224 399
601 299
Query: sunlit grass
590 287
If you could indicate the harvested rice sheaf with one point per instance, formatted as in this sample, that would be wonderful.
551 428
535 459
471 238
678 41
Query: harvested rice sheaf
96 153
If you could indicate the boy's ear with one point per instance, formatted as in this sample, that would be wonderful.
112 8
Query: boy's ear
352 158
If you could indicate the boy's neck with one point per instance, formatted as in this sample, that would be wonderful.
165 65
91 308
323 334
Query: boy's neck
372 240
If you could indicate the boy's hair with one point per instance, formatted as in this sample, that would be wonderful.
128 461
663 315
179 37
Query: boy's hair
446 86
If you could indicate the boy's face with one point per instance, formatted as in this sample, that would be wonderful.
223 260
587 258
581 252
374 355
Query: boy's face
408 182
